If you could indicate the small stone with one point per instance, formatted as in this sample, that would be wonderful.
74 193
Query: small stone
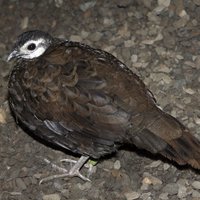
153 16
132 195
196 194
140 65
187 100
151 180
51 197
20 183
34 181
164 3
108 22
179 57
171 188
191 64
123 31
164 196
37 176
147 181
197 120
154 164
194 22
58 3
3 49
147 3
66 193
53 24
85 186
109 48
146 196
181 22
58 186
197 62
24 23
76 38
16 193
134 58
161 51
84 34
3 116
196 185
189 90
108 165
182 191
87 5
144 186
183 182
151 41
183 13
117 165
166 166
27 148
161 77
129 43
125 53
96 36
197 2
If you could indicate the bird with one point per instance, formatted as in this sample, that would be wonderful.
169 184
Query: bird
85 100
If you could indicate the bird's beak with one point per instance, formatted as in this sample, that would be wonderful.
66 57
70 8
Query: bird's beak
13 54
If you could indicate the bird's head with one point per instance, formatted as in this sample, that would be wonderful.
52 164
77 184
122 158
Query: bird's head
30 45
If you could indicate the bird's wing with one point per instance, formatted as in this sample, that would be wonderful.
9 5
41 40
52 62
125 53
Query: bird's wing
85 94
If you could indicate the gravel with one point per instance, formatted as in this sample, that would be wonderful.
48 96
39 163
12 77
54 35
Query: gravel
157 39
196 185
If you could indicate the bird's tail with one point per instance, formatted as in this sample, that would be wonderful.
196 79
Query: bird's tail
184 150
165 135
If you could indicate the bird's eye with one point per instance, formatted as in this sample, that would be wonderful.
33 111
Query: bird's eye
31 46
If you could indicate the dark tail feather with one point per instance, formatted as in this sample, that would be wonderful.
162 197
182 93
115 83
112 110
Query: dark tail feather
165 135
184 150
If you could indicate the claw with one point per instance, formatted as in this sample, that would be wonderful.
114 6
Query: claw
90 165
74 171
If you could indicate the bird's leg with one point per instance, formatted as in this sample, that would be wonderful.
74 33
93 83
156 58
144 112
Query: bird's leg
74 171
90 165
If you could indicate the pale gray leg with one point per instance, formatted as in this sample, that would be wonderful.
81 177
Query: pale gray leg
91 167
74 171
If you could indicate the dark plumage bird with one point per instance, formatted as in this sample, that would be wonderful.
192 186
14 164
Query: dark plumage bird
87 101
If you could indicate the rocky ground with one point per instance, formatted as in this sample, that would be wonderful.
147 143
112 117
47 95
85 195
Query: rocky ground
160 41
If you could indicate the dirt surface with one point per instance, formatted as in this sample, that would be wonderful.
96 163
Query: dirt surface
159 40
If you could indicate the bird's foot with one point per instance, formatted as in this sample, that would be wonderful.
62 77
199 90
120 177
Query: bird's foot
74 171
89 165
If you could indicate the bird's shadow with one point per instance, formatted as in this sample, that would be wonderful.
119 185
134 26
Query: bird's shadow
155 157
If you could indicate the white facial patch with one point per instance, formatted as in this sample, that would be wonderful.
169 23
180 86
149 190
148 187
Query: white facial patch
40 48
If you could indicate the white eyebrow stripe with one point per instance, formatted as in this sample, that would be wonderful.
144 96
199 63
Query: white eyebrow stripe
36 42
38 51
